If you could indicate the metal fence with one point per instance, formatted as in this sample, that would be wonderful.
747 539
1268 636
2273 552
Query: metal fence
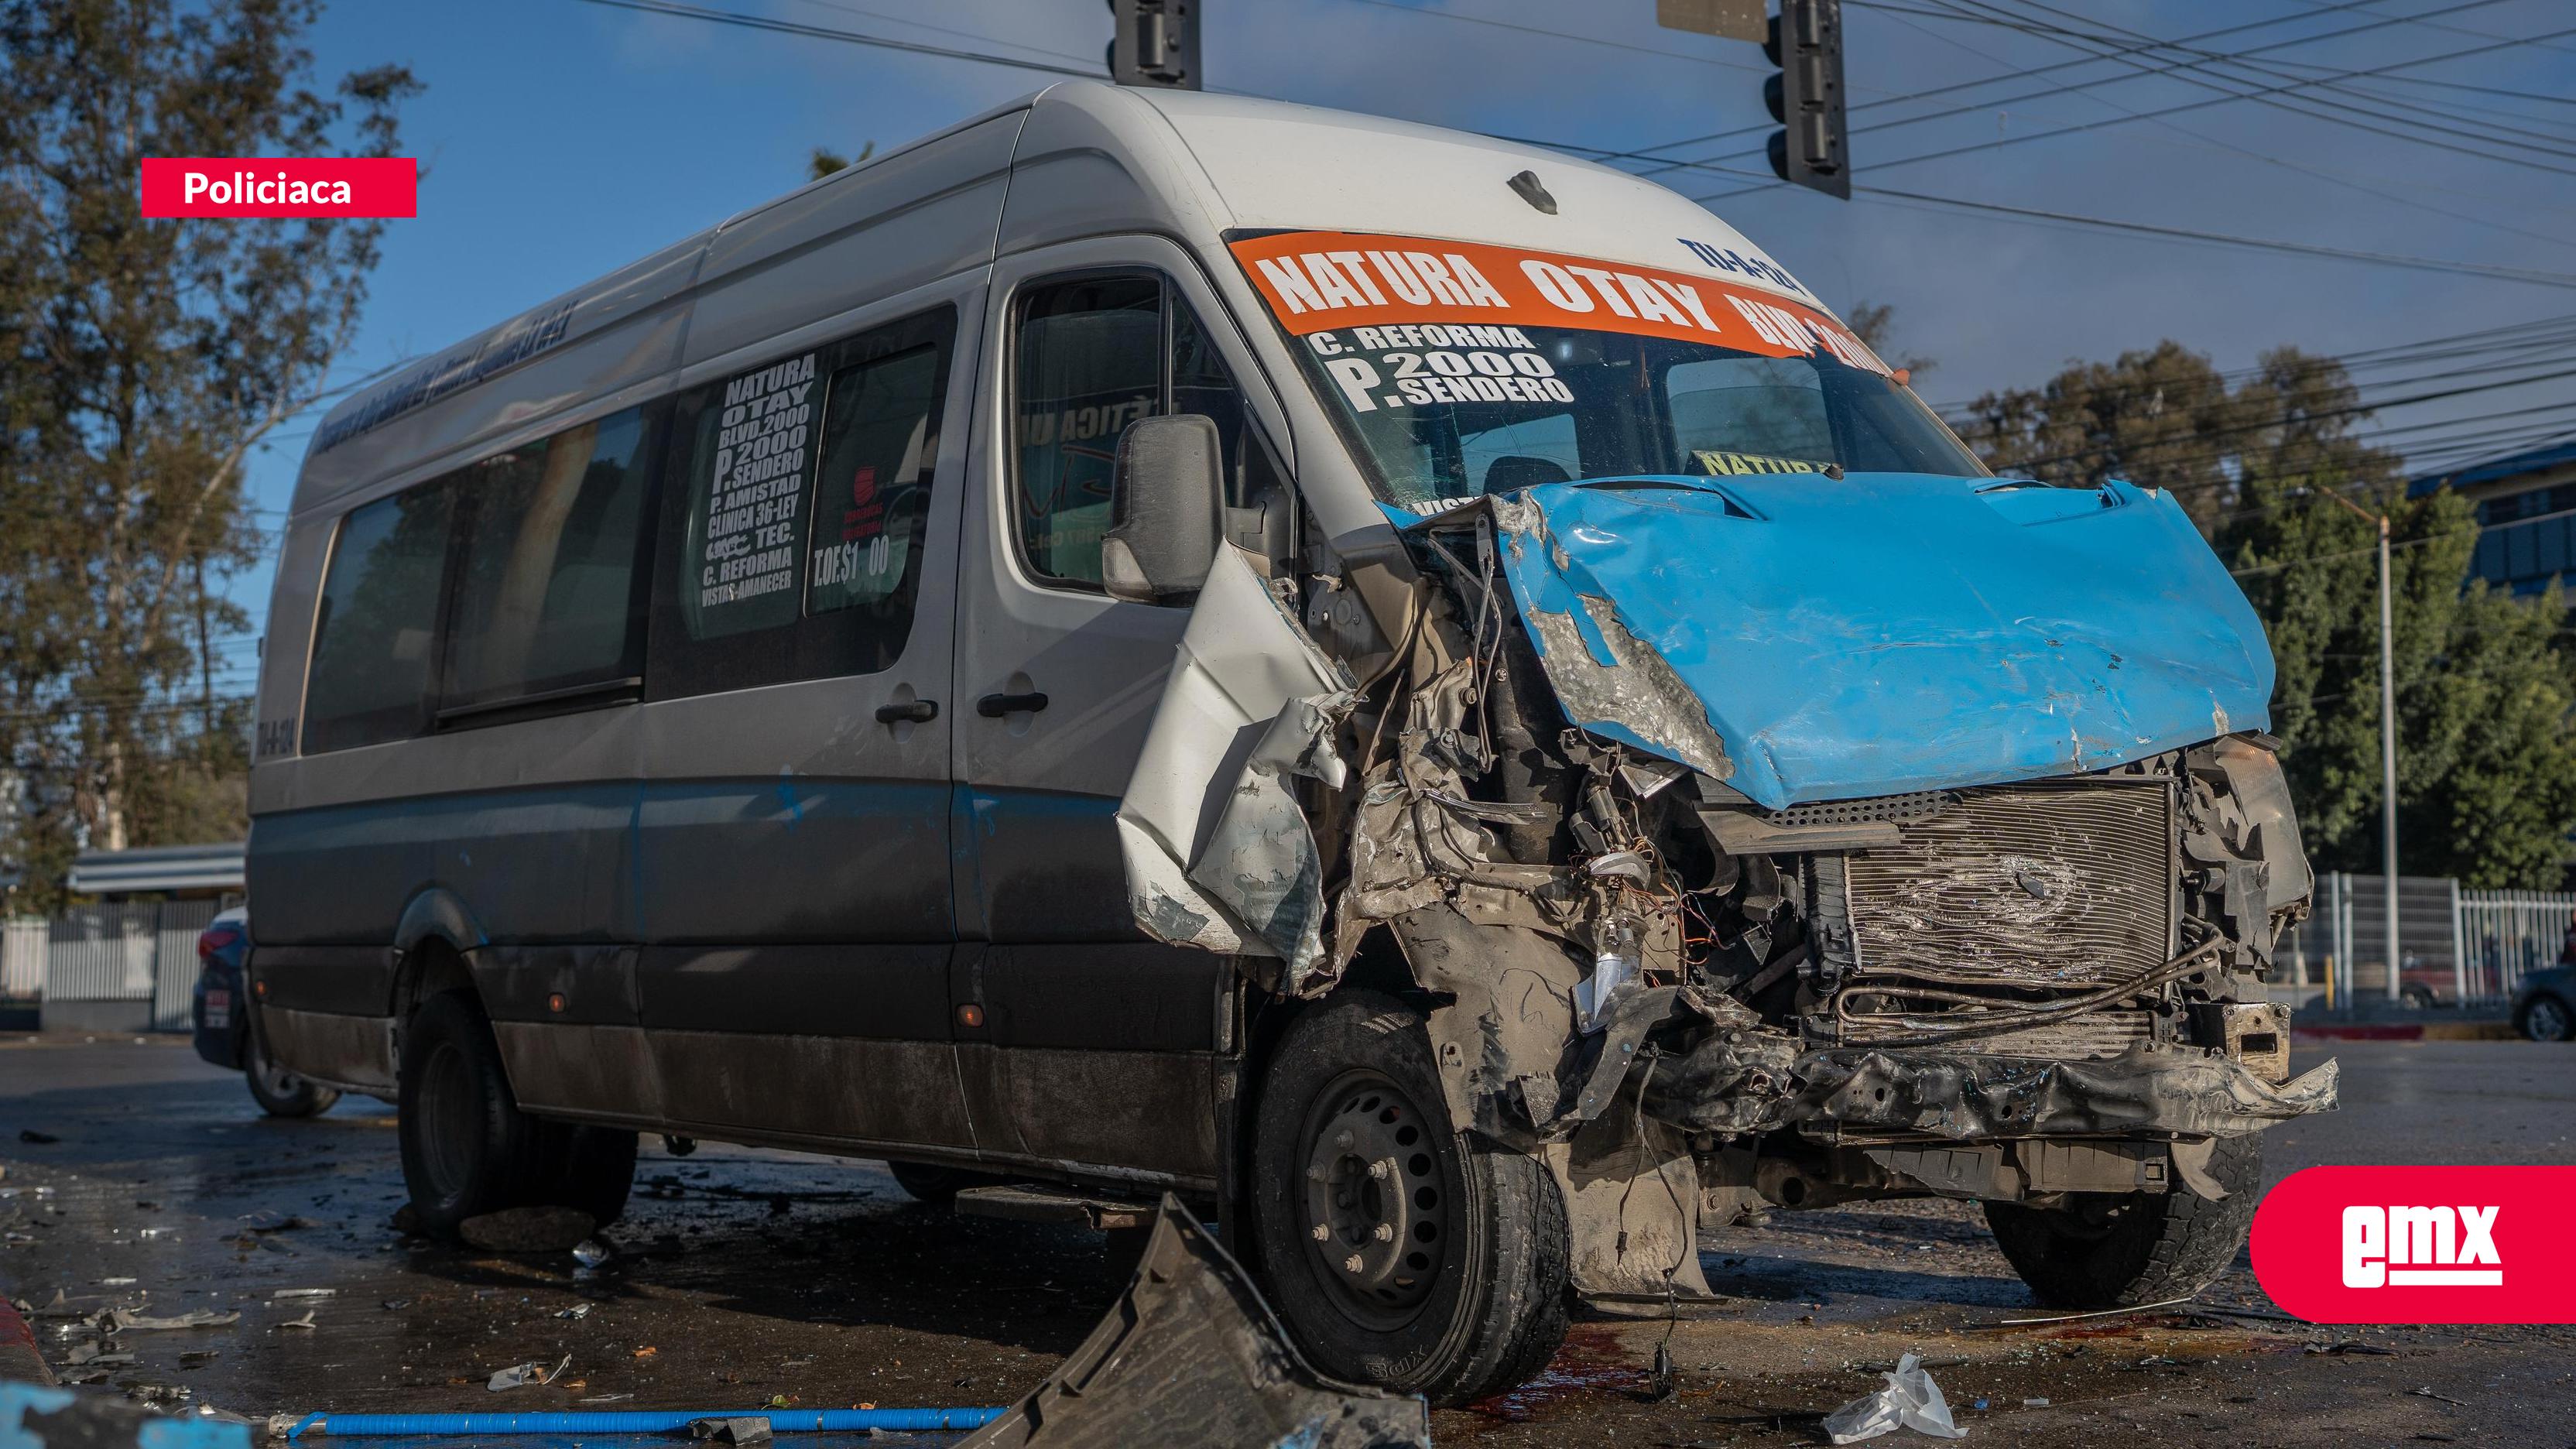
117 966
2455 946
22 957
2504 934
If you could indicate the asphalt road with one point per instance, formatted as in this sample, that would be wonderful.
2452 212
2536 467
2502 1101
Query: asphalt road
742 1276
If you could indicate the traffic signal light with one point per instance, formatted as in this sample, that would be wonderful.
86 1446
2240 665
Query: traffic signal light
1157 43
1806 97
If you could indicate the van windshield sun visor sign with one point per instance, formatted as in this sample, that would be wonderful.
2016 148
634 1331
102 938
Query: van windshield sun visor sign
1316 281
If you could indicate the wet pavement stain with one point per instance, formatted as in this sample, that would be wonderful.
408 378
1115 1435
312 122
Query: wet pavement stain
741 1276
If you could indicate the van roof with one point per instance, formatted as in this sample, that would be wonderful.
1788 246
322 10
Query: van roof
1080 158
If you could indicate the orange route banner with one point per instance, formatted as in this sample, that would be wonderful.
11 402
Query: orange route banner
1318 280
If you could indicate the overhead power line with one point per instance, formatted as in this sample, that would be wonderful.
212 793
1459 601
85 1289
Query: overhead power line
2035 72
2204 69
2223 97
2510 344
2216 238
2366 186
1462 16
848 37
1646 153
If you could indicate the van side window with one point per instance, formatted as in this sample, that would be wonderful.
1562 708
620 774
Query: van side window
545 594
798 526
376 628
1090 361
880 433
1092 355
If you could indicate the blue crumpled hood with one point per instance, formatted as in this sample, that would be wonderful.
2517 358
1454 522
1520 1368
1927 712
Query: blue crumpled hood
1883 632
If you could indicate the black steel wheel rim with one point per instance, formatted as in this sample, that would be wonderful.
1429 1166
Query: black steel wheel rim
1373 1202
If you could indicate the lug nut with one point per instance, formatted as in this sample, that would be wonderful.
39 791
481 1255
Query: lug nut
1315 1172
1345 1140
1382 1169
1322 1232
1351 1264
1385 1233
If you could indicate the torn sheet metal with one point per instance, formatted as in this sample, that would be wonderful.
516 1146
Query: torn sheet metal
1251 702
1191 1355
1807 639
1739 1081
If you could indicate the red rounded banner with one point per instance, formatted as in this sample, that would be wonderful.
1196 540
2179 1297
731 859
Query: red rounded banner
219 186
2420 1244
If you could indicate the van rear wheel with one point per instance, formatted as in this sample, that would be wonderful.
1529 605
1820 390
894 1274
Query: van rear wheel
1399 1251
468 1150
279 1092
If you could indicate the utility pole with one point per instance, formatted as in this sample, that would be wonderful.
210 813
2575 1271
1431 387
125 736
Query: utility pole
2387 743
205 664
1156 43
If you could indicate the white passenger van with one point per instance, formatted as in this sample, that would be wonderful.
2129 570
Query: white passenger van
1424 696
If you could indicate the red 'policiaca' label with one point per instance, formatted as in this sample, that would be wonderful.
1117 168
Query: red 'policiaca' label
351 186
2420 1244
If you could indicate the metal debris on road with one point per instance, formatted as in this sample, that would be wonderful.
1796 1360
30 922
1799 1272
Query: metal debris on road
2427 1393
1910 1401
1190 1354
577 1311
2078 1317
591 1252
520 1375
124 1320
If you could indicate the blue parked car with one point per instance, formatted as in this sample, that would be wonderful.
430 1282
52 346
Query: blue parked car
223 1034
2544 1006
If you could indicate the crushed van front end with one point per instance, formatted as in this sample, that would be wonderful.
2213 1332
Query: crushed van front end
1786 844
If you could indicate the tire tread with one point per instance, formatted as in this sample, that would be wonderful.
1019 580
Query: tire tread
2175 1248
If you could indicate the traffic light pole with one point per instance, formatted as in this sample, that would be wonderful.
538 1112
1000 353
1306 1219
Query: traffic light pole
1806 96
1156 43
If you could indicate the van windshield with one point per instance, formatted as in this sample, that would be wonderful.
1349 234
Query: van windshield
1482 389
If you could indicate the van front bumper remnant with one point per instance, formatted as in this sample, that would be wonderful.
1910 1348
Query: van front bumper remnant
1745 1083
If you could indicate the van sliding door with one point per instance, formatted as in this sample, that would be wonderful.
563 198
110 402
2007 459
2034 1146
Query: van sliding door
794 883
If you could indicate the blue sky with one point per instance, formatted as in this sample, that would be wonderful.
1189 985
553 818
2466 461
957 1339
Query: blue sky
562 138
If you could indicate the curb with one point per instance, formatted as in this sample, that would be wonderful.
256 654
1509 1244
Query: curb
20 1359
2408 1031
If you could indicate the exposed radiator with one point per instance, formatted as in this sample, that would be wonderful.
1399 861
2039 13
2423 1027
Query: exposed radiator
2064 886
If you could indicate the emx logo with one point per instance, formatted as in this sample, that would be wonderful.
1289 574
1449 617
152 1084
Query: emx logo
2419 1244
2420 1247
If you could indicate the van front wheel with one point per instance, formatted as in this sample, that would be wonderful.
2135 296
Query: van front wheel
468 1150
2119 1250
1398 1251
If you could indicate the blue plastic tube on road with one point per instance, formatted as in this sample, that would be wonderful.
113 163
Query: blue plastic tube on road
645 1421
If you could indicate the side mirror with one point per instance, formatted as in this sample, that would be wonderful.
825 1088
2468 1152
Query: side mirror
1166 504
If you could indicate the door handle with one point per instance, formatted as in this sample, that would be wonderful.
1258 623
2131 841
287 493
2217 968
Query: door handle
994 706
917 711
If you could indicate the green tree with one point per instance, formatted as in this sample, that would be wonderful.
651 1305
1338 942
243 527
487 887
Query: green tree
1875 324
825 161
2486 755
2162 418
140 362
